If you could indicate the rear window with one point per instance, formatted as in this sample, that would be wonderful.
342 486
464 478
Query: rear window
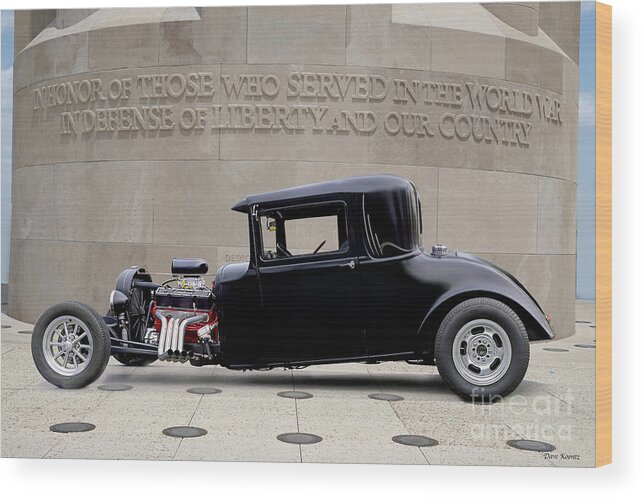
393 222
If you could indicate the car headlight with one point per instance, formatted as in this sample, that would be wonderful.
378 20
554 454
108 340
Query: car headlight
118 303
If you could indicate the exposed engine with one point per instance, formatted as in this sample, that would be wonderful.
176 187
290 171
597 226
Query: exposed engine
185 321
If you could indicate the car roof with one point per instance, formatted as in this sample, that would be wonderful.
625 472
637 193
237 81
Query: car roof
352 185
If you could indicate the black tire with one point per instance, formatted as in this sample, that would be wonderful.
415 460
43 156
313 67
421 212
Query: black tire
101 345
485 309
139 301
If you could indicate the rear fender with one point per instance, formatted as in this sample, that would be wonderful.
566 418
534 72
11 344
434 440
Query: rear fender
535 322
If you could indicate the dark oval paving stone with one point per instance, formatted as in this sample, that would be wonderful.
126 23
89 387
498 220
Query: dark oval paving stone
531 445
415 440
299 438
554 349
203 390
583 322
585 345
5 327
115 387
184 432
295 395
385 396
71 427
25 331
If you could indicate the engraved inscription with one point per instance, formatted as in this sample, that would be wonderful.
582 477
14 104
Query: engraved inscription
302 102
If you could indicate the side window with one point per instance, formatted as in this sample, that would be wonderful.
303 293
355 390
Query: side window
303 231
309 236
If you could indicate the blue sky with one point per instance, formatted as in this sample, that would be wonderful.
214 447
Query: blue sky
586 216
586 194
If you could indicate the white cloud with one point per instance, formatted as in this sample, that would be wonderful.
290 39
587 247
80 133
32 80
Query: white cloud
586 109
6 116
7 84
6 104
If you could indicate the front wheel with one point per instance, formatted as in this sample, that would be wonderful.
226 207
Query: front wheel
70 345
482 349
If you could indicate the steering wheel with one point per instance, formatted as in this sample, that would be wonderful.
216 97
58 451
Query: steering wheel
283 250
319 247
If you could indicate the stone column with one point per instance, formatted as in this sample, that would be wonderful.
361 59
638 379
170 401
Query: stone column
136 130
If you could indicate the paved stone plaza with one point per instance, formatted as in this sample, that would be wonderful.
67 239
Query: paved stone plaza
555 404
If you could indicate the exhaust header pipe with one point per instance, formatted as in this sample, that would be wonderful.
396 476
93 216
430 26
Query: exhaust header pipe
185 323
172 336
163 334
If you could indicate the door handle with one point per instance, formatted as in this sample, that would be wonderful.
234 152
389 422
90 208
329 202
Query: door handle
350 265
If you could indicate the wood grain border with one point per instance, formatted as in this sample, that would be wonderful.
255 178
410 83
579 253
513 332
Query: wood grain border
603 234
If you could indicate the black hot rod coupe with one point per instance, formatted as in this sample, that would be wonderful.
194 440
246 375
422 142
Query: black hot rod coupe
336 273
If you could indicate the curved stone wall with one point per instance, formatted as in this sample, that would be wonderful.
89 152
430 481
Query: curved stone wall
135 131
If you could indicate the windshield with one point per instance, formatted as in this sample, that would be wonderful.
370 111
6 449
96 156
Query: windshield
393 222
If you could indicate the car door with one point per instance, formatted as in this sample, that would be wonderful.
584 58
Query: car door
396 300
310 295
396 306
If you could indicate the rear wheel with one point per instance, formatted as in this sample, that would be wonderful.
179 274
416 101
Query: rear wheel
70 345
138 314
482 349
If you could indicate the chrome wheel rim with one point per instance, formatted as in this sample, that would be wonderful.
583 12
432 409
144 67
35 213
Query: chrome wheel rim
67 345
481 352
